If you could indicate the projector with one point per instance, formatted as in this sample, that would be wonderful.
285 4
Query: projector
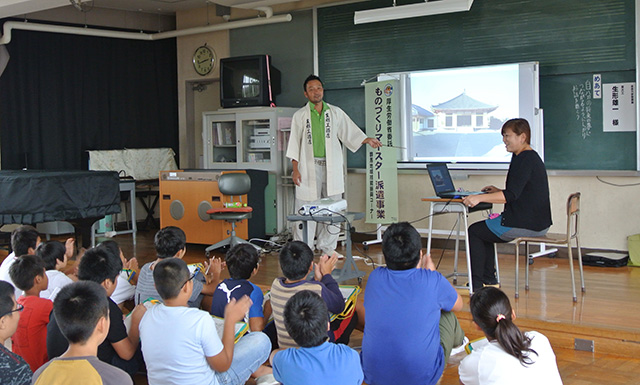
324 207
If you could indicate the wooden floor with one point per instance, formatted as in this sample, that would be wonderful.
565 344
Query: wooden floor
608 313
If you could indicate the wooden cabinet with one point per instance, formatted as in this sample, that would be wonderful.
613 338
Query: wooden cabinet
185 197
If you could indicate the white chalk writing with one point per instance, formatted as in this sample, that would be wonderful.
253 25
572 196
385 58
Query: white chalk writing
582 105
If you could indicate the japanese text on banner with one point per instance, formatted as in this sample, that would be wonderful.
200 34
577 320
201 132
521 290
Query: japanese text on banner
382 120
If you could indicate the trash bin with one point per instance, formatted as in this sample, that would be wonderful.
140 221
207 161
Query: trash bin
633 242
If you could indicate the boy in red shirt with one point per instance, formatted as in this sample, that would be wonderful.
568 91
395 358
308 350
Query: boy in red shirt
30 340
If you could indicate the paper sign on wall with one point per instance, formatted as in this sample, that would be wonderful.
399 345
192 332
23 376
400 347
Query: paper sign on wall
597 86
619 107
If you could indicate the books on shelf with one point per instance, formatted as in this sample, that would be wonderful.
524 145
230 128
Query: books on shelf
224 134
260 122
256 157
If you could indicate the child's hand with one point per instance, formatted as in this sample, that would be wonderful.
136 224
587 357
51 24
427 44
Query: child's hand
78 259
427 262
61 265
317 273
70 247
138 312
325 266
80 254
236 309
132 264
212 269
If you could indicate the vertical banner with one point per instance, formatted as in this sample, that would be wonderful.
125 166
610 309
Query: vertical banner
383 122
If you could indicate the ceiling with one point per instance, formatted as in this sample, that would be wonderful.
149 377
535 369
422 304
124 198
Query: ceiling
10 8
152 6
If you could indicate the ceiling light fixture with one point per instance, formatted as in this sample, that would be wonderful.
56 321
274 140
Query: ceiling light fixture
428 8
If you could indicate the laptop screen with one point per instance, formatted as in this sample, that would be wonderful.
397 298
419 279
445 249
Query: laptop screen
440 178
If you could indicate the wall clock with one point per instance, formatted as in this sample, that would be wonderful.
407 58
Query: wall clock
204 60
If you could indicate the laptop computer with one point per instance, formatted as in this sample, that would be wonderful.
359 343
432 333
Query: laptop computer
443 184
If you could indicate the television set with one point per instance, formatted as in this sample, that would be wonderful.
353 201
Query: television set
248 81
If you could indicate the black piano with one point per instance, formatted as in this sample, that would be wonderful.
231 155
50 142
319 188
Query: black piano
77 197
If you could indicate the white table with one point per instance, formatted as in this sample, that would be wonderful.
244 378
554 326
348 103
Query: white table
440 206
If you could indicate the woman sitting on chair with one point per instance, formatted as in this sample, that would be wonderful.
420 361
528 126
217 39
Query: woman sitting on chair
527 209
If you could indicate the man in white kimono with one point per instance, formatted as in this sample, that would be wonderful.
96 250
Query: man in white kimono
318 131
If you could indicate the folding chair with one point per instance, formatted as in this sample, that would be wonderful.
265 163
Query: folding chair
573 229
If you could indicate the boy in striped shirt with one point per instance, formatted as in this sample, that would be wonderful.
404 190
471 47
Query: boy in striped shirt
296 262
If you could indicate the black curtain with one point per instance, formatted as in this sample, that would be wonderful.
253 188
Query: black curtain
61 95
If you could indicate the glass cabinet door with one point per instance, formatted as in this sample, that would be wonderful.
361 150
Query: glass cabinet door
224 142
221 139
257 143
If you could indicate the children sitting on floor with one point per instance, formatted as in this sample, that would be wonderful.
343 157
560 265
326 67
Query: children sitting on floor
171 242
180 344
30 340
82 312
55 257
317 361
119 348
507 355
296 262
14 370
24 240
128 277
242 262
409 328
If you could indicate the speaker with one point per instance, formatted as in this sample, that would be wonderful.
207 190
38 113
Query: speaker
185 197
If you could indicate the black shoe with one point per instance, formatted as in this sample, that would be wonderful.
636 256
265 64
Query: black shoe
490 282
496 285
474 288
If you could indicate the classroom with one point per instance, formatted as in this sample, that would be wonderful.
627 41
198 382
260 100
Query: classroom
57 103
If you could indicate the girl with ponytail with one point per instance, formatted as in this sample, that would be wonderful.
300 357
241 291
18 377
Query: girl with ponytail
507 355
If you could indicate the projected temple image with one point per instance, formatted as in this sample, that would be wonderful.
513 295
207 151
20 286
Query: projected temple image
457 114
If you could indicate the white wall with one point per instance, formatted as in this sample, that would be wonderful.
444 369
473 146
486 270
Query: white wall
205 100
608 214
191 103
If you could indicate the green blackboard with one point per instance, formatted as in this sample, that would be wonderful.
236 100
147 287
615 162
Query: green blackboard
574 138
351 101
571 39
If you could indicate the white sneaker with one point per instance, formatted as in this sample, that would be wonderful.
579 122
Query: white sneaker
267 379
340 256
460 348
